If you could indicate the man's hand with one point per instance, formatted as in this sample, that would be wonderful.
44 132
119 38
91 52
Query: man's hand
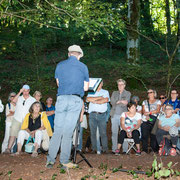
21 90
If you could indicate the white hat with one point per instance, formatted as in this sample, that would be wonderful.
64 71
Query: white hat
26 86
75 48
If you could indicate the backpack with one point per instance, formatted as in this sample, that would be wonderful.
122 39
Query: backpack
165 148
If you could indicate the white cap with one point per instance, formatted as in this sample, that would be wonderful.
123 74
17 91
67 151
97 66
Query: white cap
75 48
26 86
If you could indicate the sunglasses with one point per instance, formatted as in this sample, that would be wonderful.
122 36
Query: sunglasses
12 96
162 98
150 92
24 102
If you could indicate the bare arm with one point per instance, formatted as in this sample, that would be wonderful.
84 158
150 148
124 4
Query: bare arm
122 122
17 96
86 86
177 123
57 82
176 110
49 113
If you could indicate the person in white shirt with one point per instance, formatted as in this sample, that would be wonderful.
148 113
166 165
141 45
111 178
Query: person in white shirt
10 109
23 103
150 110
97 117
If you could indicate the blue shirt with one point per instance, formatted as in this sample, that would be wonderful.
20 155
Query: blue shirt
71 74
51 118
98 107
168 121
175 104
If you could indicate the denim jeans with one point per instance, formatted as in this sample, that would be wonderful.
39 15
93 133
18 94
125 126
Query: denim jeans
115 125
98 140
67 112
98 120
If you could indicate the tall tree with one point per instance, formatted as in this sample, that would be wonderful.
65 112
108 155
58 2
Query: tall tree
178 33
132 27
146 19
168 17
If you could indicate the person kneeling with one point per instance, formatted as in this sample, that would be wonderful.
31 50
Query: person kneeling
130 124
33 125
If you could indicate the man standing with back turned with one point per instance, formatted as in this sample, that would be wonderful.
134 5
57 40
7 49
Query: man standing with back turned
72 79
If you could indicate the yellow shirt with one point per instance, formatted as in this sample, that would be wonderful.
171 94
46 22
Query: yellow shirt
44 121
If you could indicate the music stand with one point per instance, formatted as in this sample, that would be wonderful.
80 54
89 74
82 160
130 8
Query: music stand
93 85
74 150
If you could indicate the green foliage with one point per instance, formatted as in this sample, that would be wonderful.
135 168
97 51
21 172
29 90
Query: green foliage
62 171
159 171
54 177
9 174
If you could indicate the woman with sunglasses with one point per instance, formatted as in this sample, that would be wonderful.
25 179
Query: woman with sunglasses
150 110
10 108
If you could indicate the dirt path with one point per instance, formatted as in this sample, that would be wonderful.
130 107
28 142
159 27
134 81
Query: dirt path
25 167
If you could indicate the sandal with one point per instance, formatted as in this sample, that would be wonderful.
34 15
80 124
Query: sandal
7 151
16 154
34 154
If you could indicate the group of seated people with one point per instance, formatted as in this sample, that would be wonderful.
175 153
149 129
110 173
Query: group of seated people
27 116
156 119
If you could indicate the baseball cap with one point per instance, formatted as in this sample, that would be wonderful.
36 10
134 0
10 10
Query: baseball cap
75 48
26 86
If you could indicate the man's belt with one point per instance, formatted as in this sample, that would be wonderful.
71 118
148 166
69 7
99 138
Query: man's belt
97 112
77 95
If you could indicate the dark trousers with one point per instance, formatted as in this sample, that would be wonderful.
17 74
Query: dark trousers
160 133
146 129
123 134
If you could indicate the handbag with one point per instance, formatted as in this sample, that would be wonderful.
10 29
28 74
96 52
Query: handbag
29 146
153 118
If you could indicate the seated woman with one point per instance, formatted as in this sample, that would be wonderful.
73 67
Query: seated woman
130 124
33 124
165 123
150 108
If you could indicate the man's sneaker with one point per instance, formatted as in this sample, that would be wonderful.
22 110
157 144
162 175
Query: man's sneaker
49 165
98 152
70 165
138 153
117 152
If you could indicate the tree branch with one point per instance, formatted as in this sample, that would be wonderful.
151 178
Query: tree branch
31 20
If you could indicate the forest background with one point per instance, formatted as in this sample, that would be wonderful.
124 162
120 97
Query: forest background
137 40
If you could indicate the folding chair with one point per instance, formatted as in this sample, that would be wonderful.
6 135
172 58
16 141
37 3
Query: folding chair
131 144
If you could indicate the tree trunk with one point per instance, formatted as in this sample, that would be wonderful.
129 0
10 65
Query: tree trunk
146 19
178 34
132 27
168 18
